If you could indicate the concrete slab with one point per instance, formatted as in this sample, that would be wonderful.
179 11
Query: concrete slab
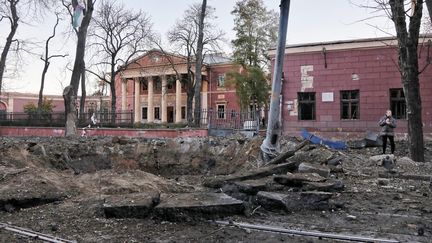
292 201
219 181
297 179
314 168
183 206
328 186
136 205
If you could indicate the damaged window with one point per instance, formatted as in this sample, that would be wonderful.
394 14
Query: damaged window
397 103
306 106
350 104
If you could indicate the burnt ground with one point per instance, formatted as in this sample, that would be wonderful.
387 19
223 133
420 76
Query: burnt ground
56 186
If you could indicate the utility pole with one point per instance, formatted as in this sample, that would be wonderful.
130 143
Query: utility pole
270 145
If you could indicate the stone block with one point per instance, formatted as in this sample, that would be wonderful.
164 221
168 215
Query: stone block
136 205
314 168
297 179
183 206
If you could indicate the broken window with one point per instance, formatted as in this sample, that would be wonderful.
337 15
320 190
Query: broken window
144 113
306 106
221 80
221 111
350 104
397 103
156 113
144 83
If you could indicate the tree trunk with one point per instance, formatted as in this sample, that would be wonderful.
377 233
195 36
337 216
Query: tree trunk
40 100
114 99
9 40
408 64
83 91
70 92
198 64
189 110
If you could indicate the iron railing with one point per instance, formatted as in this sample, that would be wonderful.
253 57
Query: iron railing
57 119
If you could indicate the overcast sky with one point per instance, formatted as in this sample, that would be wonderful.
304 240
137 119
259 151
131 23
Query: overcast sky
309 21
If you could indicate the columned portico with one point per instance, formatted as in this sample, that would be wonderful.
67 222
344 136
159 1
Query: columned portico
178 105
137 105
150 104
164 99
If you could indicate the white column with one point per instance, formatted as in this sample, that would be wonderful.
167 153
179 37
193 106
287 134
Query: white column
204 100
150 107
137 113
164 99
178 103
123 94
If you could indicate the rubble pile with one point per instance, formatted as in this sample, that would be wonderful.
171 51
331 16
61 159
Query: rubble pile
113 189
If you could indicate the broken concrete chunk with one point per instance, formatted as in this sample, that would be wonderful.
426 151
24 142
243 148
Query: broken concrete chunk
328 186
183 206
273 201
219 181
297 179
312 168
293 201
136 205
378 158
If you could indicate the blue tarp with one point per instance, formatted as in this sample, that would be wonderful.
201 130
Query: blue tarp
317 140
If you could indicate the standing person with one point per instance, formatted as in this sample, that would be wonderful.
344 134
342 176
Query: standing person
388 124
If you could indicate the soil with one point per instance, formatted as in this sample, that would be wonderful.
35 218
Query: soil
56 186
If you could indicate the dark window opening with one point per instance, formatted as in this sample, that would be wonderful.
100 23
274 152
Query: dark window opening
156 113
221 111
157 82
306 106
350 104
397 103
144 113
183 112
144 83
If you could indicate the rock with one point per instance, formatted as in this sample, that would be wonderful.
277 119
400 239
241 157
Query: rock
312 168
244 190
335 161
183 206
136 205
273 201
383 181
294 201
388 163
328 186
378 158
351 217
297 179
336 169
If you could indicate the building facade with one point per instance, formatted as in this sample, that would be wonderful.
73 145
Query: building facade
14 102
153 87
342 88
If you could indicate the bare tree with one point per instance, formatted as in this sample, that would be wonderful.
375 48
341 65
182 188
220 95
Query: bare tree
69 8
198 62
120 35
15 12
46 60
70 92
408 39
184 35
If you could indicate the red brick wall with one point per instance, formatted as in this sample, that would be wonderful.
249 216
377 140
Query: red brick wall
218 95
377 71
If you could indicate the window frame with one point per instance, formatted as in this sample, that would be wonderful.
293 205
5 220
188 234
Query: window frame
306 102
400 99
144 114
350 101
156 114
221 115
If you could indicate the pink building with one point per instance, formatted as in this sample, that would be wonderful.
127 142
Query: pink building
342 88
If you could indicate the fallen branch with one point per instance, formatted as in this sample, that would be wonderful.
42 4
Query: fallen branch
282 157
33 234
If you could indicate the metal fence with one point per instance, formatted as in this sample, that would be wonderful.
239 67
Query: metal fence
57 119
250 120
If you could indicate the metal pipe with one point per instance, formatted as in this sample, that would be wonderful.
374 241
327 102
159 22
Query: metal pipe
269 146
306 233
33 234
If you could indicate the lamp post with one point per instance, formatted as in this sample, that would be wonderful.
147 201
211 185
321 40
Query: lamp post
270 145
